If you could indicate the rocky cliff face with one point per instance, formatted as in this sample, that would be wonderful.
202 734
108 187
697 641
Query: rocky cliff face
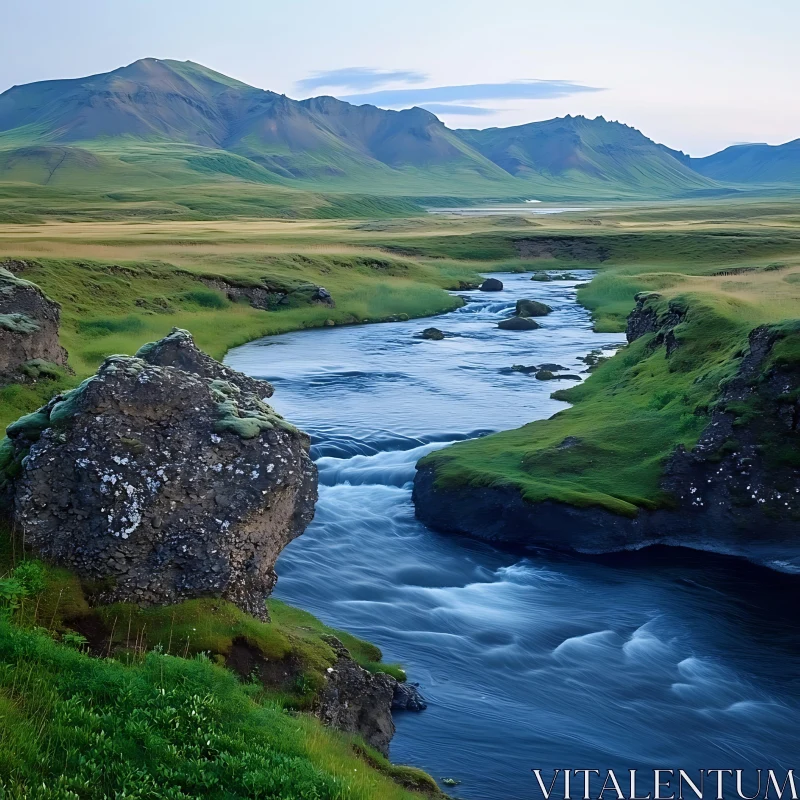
737 491
164 477
28 327
356 701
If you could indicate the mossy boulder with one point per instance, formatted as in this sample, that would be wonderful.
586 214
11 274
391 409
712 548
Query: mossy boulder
164 477
541 277
518 324
29 323
532 308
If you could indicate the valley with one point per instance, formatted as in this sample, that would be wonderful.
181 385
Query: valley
544 456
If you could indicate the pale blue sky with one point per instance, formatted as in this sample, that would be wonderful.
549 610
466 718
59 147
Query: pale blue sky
697 75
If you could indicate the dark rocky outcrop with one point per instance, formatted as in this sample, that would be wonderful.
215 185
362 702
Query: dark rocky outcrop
356 701
574 248
736 492
518 324
162 478
268 297
647 317
29 323
492 285
532 308
407 697
533 369
432 333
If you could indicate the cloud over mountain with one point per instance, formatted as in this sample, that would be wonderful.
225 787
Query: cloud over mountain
359 78
511 90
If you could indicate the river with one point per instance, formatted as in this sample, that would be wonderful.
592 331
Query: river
661 659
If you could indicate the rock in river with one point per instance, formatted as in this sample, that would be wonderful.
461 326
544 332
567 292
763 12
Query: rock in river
518 324
162 478
492 285
532 308
432 333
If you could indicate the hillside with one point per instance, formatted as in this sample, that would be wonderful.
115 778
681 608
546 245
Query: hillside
752 163
162 124
585 153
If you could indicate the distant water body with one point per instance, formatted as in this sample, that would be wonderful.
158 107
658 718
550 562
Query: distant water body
504 211
649 660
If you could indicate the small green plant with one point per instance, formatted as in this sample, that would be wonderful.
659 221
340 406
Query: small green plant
75 640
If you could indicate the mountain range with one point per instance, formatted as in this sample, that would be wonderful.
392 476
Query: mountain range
163 123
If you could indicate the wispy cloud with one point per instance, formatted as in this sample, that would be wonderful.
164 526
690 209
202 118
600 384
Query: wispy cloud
513 90
359 78
463 111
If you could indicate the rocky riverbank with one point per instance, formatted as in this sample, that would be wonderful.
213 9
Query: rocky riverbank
736 491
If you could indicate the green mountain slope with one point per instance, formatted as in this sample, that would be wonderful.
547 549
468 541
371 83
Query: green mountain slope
753 163
580 152
144 132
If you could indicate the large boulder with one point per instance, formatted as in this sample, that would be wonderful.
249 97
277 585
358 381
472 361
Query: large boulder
162 478
518 324
492 285
28 328
532 308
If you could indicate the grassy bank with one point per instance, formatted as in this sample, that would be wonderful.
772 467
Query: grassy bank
610 447
122 285
113 701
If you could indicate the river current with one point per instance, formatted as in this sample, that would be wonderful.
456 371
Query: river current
659 659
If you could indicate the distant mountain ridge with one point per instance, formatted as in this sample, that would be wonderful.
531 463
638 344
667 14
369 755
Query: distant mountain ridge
208 124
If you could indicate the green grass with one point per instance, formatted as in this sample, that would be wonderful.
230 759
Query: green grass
153 712
72 726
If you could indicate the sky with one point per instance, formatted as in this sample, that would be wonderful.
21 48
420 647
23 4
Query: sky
697 75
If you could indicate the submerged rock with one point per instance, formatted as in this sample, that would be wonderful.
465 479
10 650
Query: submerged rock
492 285
542 277
162 478
432 333
518 324
532 308
552 367
29 323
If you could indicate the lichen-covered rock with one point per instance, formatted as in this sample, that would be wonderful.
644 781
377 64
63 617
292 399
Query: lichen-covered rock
162 478
28 327
179 350
356 701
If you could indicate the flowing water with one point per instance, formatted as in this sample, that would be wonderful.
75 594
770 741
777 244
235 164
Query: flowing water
660 659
